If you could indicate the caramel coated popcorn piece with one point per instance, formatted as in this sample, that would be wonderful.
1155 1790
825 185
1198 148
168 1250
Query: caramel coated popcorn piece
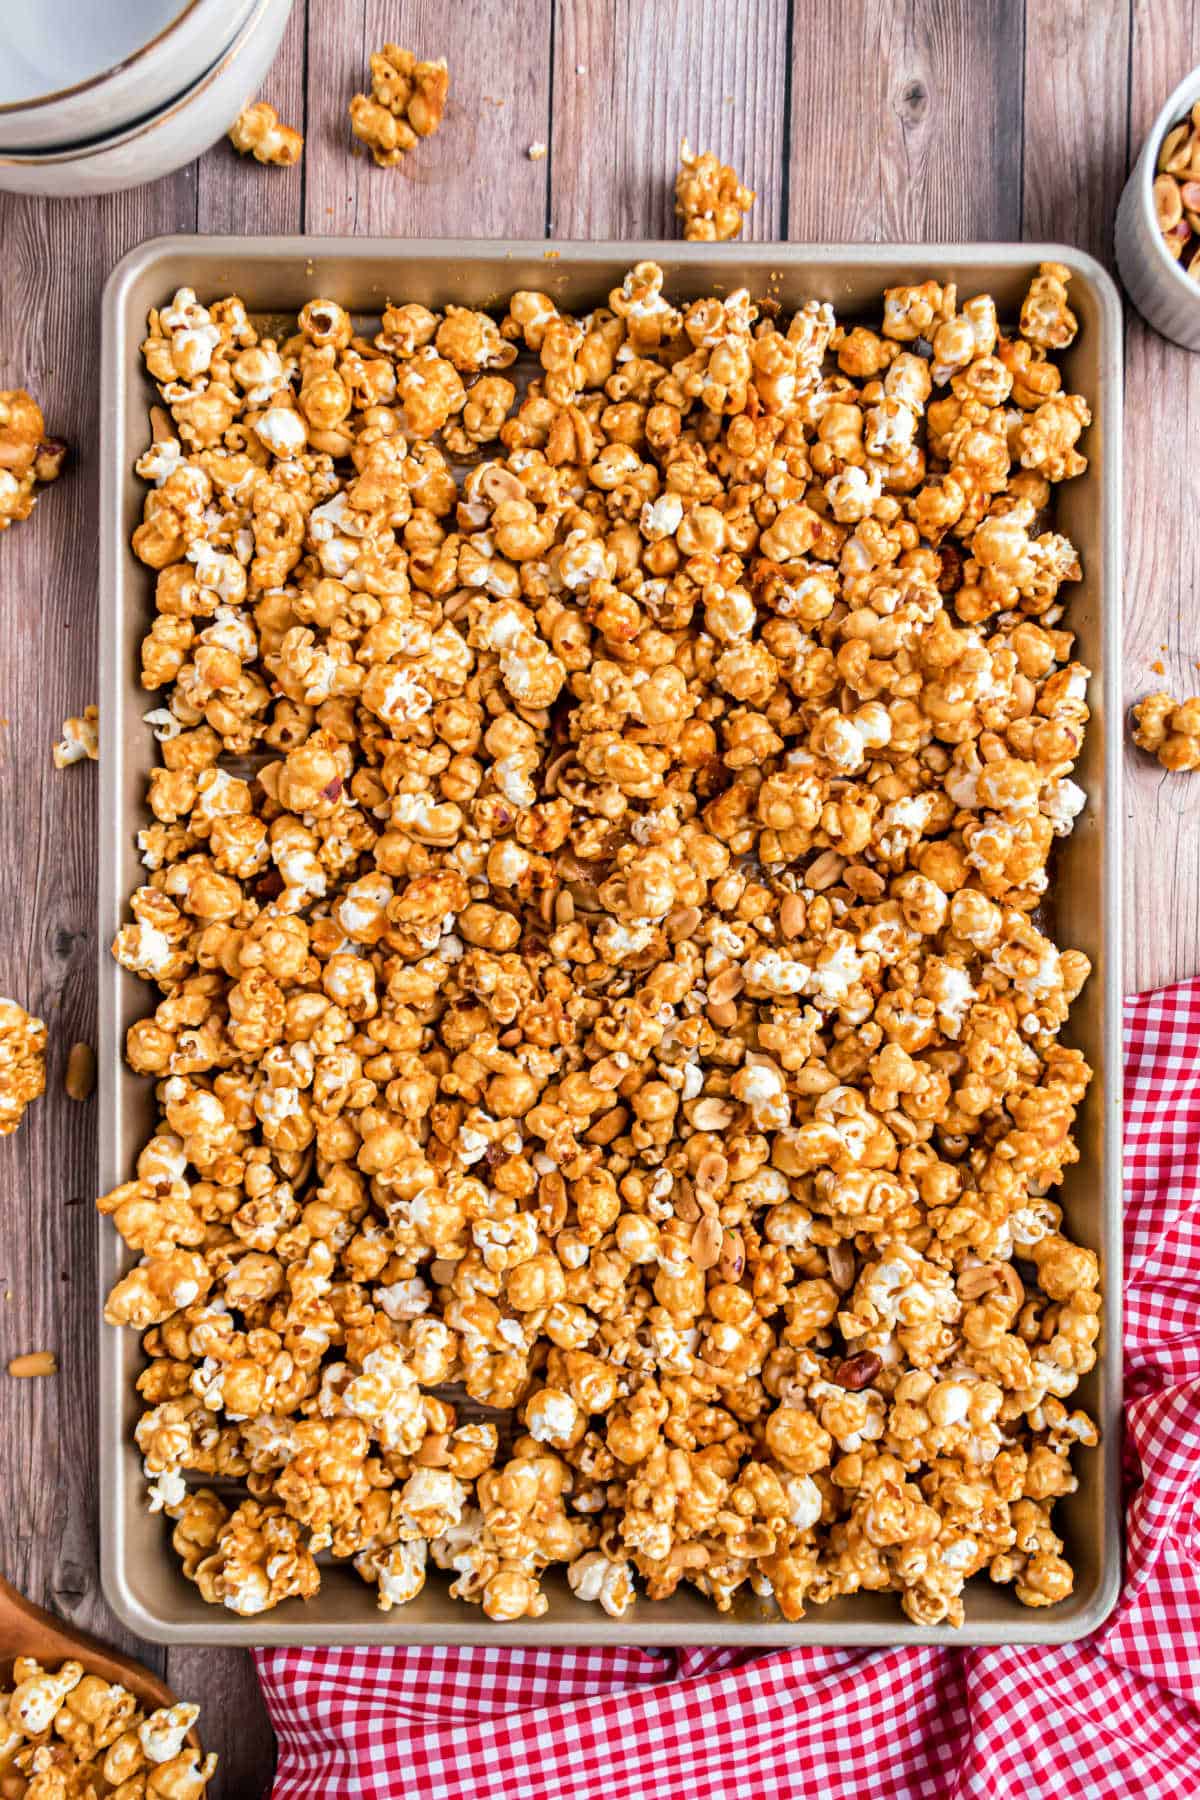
259 1559
1170 730
258 132
406 102
709 198
64 1733
80 739
28 458
22 1063
590 919
1046 319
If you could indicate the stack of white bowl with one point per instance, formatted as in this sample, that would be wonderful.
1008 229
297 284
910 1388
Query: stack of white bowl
97 95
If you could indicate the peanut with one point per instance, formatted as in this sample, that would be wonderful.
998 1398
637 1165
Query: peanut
80 1077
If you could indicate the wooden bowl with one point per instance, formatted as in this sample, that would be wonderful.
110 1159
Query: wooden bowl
27 1630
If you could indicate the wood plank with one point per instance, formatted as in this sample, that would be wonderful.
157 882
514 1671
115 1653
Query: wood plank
906 121
233 1718
473 176
713 71
47 849
237 194
56 256
1074 164
1162 814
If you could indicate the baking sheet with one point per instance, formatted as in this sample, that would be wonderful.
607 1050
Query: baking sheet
140 1572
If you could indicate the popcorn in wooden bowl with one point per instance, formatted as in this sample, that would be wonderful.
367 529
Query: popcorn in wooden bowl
64 1732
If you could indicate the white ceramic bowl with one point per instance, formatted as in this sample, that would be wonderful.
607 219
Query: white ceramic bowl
1161 289
76 70
175 135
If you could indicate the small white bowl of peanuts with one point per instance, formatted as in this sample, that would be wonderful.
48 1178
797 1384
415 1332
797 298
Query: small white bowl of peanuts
1158 220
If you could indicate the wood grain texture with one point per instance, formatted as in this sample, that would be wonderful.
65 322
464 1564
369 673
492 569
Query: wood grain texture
28 1630
59 253
1075 155
237 194
474 176
55 256
233 1718
906 120
1162 567
925 118
713 71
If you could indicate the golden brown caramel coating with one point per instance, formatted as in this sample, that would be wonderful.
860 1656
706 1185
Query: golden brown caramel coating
609 771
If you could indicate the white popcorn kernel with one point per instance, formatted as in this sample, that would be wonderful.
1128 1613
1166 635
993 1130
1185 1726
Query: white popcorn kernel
249 1596
166 1492
165 725
405 1299
609 1584
804 1501
1062 804
162 1734
283 431
36 1700
399 1571
661 518
551 1417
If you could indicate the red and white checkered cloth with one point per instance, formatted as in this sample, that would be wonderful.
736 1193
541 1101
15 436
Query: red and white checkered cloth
1114 1716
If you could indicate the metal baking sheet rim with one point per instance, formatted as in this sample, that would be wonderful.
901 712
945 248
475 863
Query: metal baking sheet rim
141 1581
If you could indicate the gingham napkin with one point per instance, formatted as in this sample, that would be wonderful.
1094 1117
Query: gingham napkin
1115 1716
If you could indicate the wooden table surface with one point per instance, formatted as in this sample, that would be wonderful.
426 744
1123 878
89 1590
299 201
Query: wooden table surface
855 119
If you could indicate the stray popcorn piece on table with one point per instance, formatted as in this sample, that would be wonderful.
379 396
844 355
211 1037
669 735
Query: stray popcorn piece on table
1170 730
80 740
406 102
709 198
258 132
66 1733
28 458
22 1063
618 995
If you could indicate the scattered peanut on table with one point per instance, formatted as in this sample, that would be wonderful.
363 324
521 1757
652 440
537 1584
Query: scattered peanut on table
80 1077
33 1363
